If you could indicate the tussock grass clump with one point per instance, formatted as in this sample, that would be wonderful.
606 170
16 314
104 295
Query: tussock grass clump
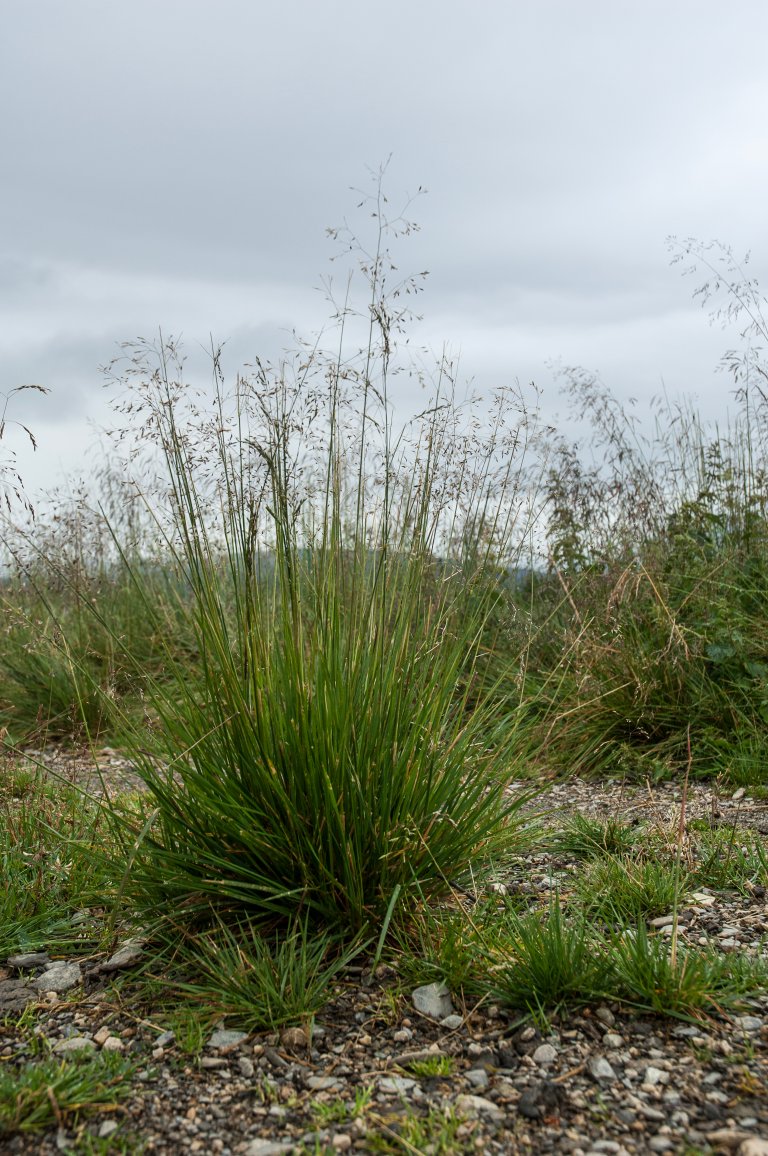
335 754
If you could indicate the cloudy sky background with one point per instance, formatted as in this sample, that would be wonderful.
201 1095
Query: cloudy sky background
175 163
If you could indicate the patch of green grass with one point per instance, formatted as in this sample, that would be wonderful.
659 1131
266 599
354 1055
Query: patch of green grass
340 1111
545 960
435 1132
730 858
42 1094
686 984
589 838
629 890
259 980
50 871
432 1067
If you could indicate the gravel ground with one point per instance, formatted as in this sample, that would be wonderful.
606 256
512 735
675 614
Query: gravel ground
599 1080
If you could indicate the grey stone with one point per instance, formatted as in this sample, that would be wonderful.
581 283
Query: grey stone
74 1044
661 1144
540 1099
30 959
612 1040
165 1039
125 956
245 1067
478 1078
655 1076
433 1000
15 994
397 1084
58 977
600 1070
545 1054
222 1038
322 1083
478 1106
452 1023
747 1023
605 1015
107 1127
269 1148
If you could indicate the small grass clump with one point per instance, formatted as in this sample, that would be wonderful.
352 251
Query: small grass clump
63 1092
588 838
48 833
543 960
631 889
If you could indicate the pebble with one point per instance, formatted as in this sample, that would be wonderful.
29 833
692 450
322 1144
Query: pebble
600 1070
268 1148
322 1083
748 1023
478 1077
28 959
245 1067
106 1128
74 1044
125 956
58 977
397 1084
544 1055
754 1146
222 1038
433 1000
661 1144
613 1041
653 1076
478 1106
605 1015
452 1023
113 1044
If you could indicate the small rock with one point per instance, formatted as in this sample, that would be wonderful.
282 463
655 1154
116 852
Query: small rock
612 1041
478 1078
222 1038
433 1000
322 1083
754 1146
269 1148
213 1062
738 794
74 1044
165 1039
747 1023
727 1137
600 1070
125 956
294 1039
397 1084
29 959
106 1128
14 995
605 1015
538 1100
101 1035
452 1023
545 1054
661 1144
113 1044
403 1036
245 1067
341 1142
470 1105
653 1076
58 977
663 921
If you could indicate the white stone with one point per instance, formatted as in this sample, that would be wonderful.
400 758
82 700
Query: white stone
452 1023
653 1076
268 1148
107 1127
113 1044
397 1084
125 956
754 1146
433 1000
545 1054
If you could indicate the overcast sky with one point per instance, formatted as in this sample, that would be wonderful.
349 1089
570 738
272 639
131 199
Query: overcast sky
175 163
